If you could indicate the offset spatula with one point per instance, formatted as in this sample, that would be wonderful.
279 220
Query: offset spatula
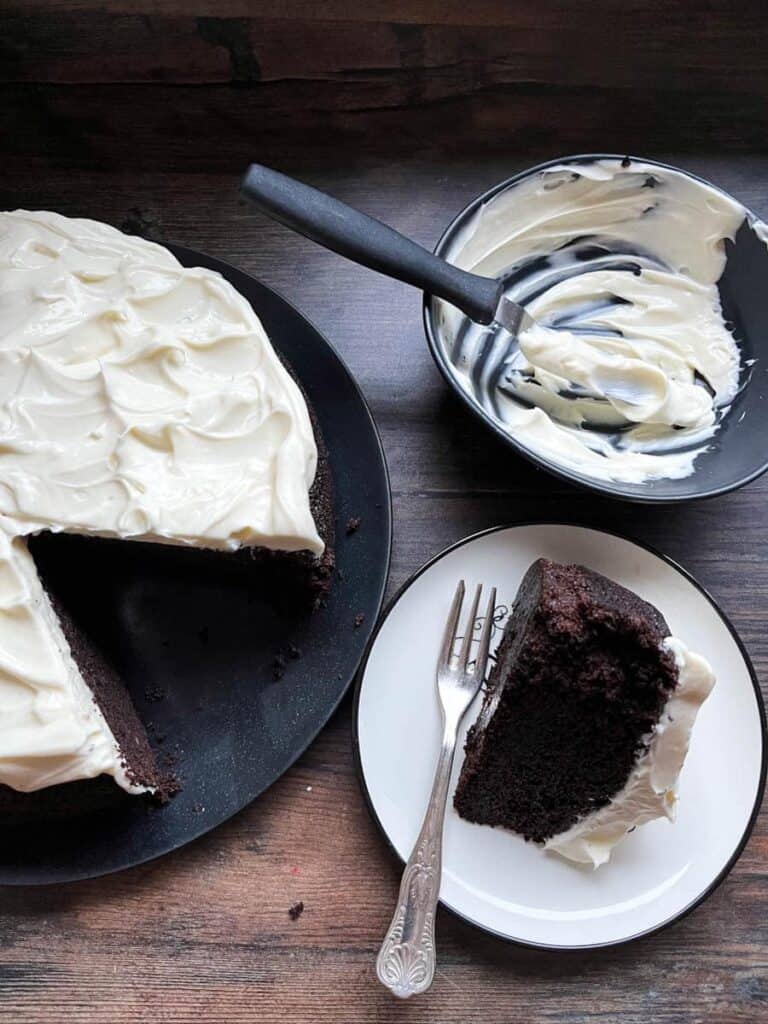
370 243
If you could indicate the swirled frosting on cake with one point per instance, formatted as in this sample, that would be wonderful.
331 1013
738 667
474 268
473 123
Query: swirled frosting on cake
142 399
630 365
139 399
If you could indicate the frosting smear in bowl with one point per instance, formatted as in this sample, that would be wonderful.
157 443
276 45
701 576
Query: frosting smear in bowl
631 364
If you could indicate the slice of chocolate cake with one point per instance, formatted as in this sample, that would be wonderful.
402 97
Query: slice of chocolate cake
585 723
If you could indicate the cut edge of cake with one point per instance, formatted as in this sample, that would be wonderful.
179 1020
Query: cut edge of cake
115 740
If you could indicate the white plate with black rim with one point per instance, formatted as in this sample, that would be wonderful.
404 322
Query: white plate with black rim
492 877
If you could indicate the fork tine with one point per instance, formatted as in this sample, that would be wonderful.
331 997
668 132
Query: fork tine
469 630
485 637
449 636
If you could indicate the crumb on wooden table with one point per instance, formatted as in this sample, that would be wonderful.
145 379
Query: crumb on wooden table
295 911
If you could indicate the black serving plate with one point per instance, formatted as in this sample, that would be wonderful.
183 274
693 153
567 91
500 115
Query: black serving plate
196 640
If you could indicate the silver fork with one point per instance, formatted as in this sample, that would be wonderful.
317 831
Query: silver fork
406 960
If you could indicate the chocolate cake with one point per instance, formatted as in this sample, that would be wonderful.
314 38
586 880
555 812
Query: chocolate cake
584 674
141 401
294 580
300 576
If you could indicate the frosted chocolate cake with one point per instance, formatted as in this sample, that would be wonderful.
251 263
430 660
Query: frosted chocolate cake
139 400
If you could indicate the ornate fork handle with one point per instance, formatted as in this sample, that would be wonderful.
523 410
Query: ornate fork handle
406 960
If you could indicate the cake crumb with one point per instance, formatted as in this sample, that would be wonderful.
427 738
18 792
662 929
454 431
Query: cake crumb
169 787
359 620
296 910
197 808
353 525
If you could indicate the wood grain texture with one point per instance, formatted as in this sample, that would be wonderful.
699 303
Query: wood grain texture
229 79
483 72
719 45
204 934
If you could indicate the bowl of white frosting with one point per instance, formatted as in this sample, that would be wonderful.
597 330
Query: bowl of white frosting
644 375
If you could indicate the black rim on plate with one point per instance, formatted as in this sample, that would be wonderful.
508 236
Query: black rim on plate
132 836
758 700
605 487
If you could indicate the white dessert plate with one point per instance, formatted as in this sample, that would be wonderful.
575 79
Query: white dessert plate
493 878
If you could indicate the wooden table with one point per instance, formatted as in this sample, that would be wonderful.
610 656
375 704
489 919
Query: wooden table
143 116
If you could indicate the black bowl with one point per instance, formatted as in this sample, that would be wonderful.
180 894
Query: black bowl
738 451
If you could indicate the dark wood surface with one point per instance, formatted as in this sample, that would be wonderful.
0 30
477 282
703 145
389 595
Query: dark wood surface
144 117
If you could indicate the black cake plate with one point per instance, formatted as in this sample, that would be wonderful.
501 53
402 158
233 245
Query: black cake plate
233 688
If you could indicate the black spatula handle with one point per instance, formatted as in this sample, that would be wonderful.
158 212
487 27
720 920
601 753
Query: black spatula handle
367 241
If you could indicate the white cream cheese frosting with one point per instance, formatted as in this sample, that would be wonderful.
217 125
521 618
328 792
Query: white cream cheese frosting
630 365
141 400
651 790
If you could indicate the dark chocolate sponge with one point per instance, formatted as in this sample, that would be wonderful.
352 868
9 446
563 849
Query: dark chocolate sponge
579 683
